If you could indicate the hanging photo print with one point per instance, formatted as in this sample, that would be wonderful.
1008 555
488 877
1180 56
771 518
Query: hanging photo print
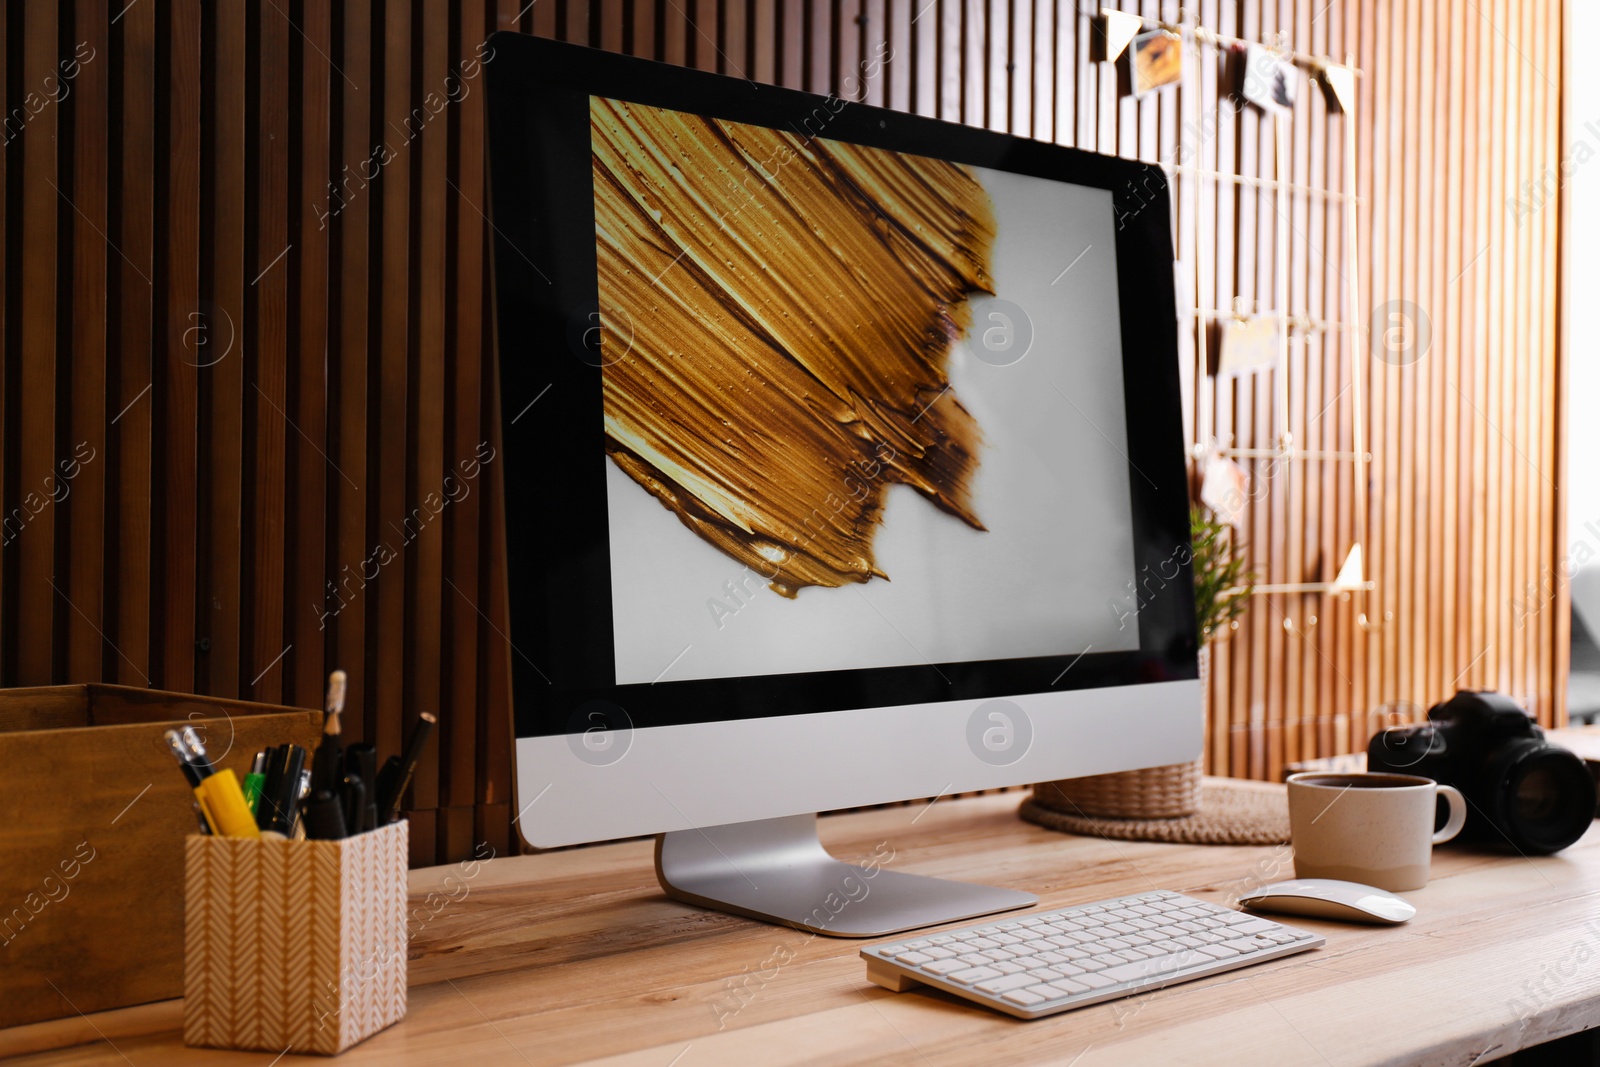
1270 83
1157 60
1248 344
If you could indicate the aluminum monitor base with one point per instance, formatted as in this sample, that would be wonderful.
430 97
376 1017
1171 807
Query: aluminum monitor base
776 870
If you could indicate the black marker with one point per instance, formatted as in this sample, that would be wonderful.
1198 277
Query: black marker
389 803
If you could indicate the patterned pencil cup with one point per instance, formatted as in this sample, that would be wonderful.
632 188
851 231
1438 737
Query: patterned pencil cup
295 946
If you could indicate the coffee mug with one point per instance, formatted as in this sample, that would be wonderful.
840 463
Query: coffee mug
1376 829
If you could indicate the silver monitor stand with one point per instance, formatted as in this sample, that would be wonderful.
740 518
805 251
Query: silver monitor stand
777 870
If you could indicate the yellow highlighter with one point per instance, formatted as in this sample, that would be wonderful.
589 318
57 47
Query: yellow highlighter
223 805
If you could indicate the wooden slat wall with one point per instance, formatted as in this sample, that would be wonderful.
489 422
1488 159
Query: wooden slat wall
247 338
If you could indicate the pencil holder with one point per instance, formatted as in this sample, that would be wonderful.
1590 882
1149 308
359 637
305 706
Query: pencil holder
295 946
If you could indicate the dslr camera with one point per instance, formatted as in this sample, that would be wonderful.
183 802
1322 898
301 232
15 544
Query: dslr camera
1521 790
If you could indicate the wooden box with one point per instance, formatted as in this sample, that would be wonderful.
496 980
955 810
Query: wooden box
96 810
294 946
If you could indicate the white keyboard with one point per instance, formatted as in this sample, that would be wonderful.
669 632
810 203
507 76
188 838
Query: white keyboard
1053 961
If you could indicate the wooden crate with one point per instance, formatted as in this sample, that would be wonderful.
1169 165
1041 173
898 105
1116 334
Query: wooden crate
296 946
91 887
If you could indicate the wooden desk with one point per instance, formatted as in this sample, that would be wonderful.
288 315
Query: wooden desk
577 957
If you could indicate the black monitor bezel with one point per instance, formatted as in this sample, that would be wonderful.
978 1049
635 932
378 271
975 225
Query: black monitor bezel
558 569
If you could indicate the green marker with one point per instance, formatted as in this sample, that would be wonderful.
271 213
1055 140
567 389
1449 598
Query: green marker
254 781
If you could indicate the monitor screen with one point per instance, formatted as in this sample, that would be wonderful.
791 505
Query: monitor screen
862 408
809 406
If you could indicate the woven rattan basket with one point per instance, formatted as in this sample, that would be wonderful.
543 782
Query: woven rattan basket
1168 792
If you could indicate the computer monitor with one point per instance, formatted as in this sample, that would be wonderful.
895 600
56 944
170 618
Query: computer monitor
843 460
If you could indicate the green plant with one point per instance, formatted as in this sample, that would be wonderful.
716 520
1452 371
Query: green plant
1221 583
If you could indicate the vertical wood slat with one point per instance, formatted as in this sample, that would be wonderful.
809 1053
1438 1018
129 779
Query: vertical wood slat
386 668
129 498
35 405
219 354
307 517
349 207
363 357
263 669
85 444
462 518
178 381
423 534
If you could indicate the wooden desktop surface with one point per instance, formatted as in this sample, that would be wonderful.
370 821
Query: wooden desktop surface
577 957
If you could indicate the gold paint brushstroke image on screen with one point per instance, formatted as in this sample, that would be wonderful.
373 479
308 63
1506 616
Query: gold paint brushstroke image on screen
787 306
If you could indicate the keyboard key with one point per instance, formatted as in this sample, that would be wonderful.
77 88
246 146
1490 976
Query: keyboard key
973 959
944 967
1251 926
937 952
1220 952
1010 967
1066 987
942 939
982 943
1023 998
913 959
975 974
922 943
1094 981
1004 984
1155 967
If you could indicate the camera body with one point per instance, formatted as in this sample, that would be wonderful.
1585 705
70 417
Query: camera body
1522 791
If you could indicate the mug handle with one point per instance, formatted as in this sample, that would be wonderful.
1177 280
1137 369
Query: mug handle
1458 814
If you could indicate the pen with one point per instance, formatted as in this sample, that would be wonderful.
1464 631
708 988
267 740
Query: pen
180 752
255 780
324 817
361 760
354 799
197 752
280 795
389 801
325 770
223 805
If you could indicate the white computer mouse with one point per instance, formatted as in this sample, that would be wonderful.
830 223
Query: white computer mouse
1329 898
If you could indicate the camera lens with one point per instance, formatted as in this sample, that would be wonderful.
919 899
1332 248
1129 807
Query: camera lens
1537 796
1546 797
